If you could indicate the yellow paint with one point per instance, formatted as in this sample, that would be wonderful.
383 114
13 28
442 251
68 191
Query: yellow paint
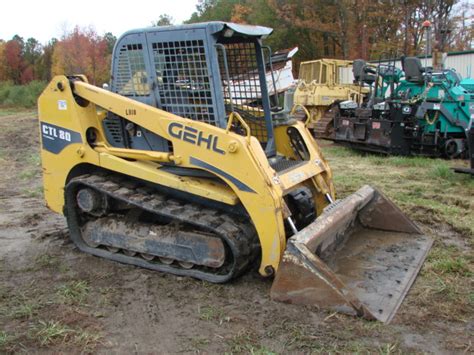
243 159
150 171
320 85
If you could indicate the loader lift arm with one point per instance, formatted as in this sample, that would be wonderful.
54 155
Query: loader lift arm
248 174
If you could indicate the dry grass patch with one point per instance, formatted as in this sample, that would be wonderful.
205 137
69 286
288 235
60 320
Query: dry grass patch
411 182
74 292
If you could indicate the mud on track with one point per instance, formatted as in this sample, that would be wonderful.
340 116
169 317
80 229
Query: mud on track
54 298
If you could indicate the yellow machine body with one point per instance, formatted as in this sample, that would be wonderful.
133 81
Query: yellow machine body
244 160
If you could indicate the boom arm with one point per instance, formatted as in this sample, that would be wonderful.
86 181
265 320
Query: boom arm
237 160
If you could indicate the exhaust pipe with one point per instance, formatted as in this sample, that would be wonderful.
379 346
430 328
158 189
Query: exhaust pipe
359 257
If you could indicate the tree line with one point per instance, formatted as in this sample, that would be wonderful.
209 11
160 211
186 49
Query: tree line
80 51
345 29
349 29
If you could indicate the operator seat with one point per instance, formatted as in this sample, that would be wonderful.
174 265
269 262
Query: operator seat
361 72
413 69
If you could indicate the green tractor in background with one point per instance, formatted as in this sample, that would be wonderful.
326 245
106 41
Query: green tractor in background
417 111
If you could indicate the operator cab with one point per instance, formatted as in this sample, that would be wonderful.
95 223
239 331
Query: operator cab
200 71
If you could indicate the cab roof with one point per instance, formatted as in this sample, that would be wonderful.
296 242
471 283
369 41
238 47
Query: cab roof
213 27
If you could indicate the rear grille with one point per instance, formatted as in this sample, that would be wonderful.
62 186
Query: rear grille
113 130
284 164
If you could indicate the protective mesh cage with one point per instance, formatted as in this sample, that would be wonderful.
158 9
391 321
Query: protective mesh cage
244 84
183 79
131 76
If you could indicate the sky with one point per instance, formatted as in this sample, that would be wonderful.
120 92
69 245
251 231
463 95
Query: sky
45 19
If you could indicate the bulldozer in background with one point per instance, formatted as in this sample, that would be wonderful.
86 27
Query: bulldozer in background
173 170
320 86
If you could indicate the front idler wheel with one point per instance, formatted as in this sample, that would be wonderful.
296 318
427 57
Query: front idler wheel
92 202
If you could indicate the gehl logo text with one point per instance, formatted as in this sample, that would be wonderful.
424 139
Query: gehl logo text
194 136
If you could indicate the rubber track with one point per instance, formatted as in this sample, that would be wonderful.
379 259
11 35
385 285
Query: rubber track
238 235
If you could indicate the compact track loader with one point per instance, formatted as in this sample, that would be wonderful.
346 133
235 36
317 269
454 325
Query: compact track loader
177 168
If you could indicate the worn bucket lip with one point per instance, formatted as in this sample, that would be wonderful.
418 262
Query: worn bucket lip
302 245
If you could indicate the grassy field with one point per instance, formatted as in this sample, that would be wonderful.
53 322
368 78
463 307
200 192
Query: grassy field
427 188
24 96
55 299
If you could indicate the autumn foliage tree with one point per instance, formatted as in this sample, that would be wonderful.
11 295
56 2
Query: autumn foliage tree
350 28
31 55
3 73
24 61
320 28
82 51
13 60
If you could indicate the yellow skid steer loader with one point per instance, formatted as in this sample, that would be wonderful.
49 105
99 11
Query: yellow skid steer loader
184 166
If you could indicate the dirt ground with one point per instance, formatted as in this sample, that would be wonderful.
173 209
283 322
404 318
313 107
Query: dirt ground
54 298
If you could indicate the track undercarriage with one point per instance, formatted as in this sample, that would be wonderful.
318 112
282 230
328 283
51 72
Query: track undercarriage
324 127
123 220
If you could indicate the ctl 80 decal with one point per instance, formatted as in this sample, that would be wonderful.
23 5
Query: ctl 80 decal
55 138
194 136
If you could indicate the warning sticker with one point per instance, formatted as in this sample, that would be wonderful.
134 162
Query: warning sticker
62 105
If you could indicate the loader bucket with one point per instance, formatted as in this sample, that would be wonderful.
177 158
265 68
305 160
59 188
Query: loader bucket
360 257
